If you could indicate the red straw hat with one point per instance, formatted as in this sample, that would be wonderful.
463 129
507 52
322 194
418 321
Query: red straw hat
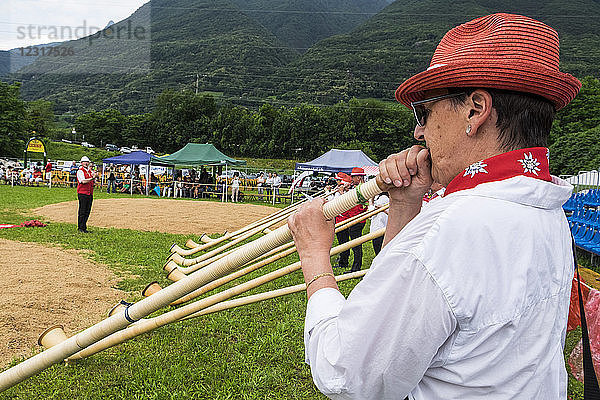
344 177
500 51
357 171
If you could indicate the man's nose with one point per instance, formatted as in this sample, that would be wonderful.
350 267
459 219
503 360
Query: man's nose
419 132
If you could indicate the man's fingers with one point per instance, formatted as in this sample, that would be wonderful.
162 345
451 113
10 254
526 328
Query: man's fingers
393 170
383 173
423 159
411 160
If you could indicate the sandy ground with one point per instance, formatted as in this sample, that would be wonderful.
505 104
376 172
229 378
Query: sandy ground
48 286
163 215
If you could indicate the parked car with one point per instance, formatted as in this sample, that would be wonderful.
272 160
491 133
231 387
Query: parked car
313 183
229 174
111 147
125 150
149 150
86 144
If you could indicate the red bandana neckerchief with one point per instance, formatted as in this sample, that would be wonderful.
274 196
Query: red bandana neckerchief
531 162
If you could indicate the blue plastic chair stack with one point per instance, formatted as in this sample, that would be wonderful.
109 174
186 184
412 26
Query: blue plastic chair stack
592 198
571 204
584 220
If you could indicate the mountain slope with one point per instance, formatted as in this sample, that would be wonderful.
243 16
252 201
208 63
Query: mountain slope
302 23
374 58
221 45
210 38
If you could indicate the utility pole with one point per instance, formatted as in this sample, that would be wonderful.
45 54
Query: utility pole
197 82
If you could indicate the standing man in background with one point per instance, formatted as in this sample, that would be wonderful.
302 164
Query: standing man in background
85 192
48 171
276 186
358 176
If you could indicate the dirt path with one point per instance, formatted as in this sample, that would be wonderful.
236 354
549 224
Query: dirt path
48 286
163 215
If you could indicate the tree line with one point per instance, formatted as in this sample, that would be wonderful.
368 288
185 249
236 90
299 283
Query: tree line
298 132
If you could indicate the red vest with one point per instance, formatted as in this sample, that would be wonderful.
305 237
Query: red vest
354 211
86 188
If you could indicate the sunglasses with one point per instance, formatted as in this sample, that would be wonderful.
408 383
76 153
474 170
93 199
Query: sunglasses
421 113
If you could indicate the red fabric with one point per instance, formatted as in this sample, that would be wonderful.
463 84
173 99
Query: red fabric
48 167
501 51
342 176
37 173
593 322
358 209
27 224
32 224
86 188
531 162
357 171
574 315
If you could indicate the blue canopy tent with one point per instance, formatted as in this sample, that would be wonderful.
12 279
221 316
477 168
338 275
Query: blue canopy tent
337 160
136 158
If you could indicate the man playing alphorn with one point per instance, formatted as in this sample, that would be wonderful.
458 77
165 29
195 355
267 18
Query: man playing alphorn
469 297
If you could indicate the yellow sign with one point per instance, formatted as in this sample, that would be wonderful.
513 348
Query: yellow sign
35 146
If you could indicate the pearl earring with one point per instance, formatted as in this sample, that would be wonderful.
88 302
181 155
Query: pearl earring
468 129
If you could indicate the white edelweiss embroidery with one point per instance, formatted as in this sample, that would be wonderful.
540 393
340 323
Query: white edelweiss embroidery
475 168
530 164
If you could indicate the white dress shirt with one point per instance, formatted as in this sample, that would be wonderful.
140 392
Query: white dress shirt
80 175
468 301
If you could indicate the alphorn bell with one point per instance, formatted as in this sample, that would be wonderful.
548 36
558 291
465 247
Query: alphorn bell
52 336
176 275
149 290
148 305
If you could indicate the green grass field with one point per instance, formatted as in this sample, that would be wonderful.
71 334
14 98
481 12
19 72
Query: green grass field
252 352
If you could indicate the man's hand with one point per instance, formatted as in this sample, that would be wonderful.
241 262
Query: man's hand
312 233
408 174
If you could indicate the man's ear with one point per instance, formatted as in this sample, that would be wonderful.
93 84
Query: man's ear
479 109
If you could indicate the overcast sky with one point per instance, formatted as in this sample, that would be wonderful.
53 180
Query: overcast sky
27 22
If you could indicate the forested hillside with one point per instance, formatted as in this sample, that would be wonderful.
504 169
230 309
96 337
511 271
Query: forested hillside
252 51
373 59
222 46
302 23
211 39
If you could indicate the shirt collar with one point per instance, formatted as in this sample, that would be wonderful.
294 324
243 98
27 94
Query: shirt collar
531 162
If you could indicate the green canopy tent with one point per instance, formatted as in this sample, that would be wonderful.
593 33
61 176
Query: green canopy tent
201 154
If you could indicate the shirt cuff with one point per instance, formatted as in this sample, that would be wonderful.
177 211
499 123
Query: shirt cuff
323 305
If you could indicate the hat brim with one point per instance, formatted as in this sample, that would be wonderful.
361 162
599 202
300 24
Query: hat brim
558 87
